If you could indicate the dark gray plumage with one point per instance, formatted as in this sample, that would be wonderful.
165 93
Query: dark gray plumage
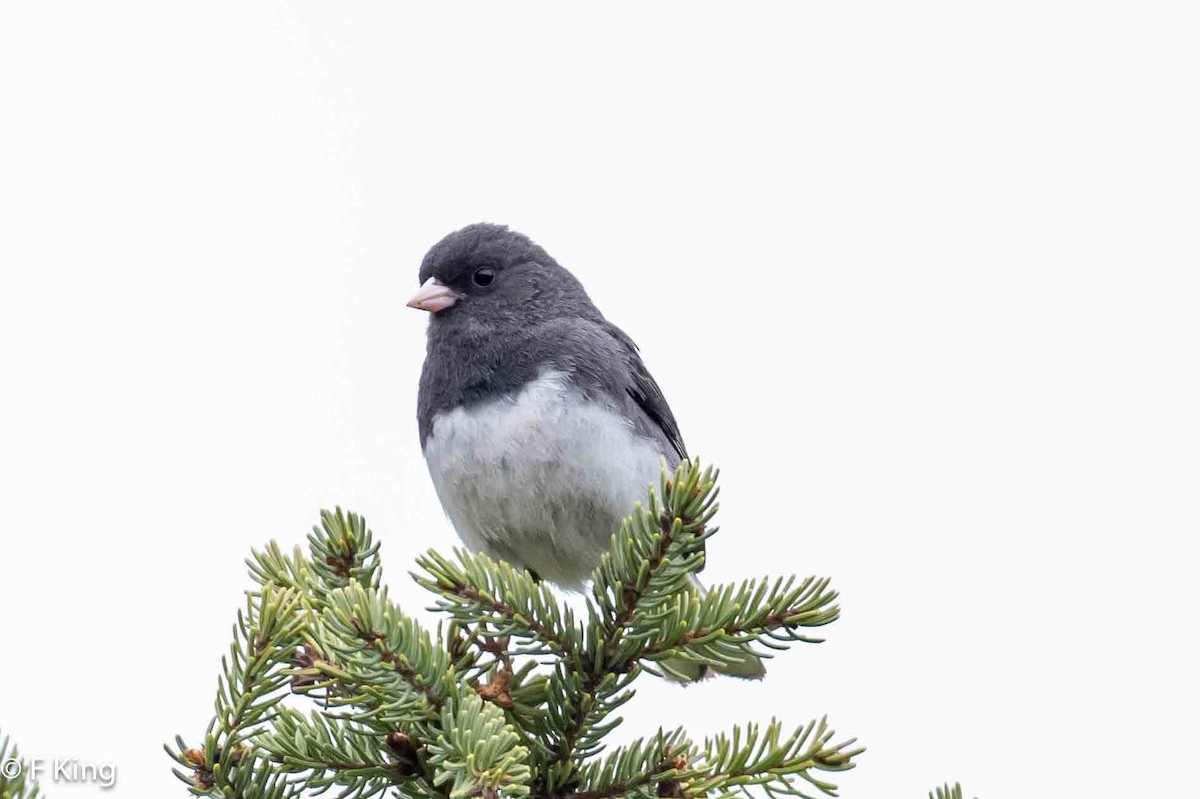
533 315
540 424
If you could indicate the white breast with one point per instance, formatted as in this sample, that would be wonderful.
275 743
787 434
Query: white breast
541 479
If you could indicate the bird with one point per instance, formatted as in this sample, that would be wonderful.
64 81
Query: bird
539 422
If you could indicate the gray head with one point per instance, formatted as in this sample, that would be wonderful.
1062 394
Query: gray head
486 275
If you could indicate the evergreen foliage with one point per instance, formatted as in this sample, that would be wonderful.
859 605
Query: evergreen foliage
14 773
513 695
947 792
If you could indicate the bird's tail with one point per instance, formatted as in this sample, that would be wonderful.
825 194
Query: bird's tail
747 667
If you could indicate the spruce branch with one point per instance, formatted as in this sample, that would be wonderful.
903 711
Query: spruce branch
667 764
578 712
514 696
656 549
648 767
341 550
333 752
470 592
253 681
16 786
478 753
265 637
719 627
652 557
385 659
245 774
762 756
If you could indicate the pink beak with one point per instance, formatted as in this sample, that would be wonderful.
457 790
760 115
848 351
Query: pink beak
434 296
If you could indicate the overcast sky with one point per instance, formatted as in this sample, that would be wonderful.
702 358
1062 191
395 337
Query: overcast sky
920 277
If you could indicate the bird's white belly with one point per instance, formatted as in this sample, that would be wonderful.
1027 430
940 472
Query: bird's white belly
540 479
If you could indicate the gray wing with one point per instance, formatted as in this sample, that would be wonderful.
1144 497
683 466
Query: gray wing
602 359
649 398
646 394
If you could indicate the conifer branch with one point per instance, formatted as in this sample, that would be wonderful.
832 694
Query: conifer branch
470 592
731 763
719 627
332 752
638 769
384 655
478 753
473 712
341 550
253 682
652 557
15 784
656 550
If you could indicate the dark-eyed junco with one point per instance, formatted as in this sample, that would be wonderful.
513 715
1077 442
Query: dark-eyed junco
540 423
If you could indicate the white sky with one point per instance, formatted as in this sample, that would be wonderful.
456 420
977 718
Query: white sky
921 278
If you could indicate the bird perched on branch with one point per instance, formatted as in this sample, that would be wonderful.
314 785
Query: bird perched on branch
540 424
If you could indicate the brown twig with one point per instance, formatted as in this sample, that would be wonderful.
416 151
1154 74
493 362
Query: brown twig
497 690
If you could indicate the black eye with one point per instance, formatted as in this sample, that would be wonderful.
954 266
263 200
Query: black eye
484 276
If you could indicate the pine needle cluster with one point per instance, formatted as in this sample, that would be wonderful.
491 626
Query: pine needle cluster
514 694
